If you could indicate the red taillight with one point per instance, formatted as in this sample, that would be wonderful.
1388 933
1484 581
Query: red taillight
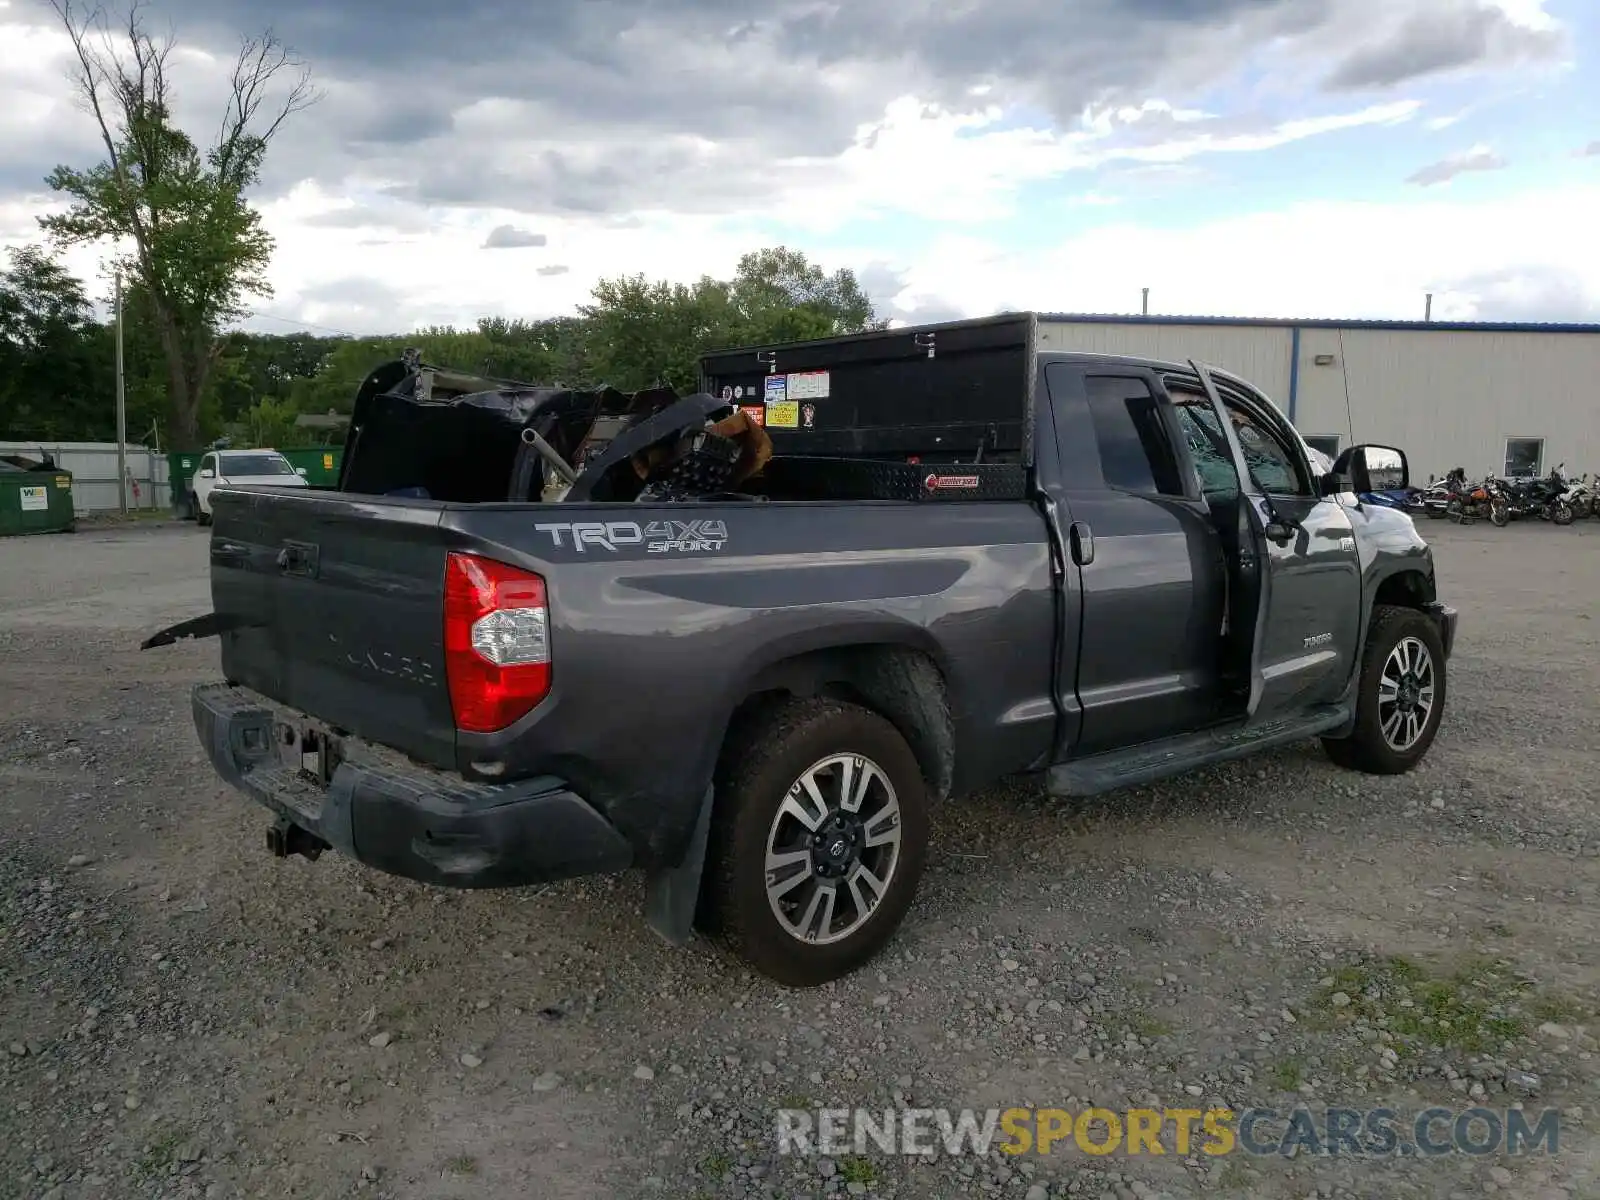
496 642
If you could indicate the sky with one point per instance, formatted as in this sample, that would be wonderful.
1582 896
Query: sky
1281 158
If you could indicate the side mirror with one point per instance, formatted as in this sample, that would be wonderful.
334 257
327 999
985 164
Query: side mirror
207 473
1373 468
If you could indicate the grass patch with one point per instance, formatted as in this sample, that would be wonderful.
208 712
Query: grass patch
1148 1027
715 1166
1477 1007
1287 1075
856 1169
160 1154
1559 1009
1234 1177
462 1164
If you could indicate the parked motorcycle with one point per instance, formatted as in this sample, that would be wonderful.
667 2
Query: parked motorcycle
1435 499
1470 501
1544 498
1581 495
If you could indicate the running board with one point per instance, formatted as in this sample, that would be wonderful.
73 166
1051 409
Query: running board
1158 760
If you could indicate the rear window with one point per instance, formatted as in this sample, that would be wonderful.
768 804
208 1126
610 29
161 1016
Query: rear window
256 464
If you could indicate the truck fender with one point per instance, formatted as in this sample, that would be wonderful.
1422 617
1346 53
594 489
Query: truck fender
672 892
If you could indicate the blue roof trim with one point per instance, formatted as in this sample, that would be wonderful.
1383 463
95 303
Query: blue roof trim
1320 323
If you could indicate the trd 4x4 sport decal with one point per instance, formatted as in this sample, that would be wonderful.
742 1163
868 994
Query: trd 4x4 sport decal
657 537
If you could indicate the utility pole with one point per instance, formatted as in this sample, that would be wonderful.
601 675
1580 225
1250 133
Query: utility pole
1427 308
122 412
1146 311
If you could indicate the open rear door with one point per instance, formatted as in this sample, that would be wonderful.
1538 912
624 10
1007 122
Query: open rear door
1250 601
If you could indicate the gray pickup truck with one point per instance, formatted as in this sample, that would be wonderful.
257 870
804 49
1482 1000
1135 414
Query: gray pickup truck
537 633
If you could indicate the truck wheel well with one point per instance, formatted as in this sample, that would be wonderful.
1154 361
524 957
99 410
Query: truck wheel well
902 685
1405 589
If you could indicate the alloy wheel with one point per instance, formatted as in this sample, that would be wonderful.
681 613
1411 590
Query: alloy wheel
833 848
1405 694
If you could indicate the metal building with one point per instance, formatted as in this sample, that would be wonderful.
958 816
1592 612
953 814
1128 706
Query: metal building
1510 399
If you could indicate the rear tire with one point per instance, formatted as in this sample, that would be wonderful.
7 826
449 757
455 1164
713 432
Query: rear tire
807 894
1402 669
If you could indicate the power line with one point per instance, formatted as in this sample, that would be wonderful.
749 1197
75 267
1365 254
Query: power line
307 324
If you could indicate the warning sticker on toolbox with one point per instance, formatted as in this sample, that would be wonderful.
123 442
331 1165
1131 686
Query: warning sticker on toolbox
783 414
755 412
808 385
777 388
35 499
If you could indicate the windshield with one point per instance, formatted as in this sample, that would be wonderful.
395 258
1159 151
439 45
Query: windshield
241 466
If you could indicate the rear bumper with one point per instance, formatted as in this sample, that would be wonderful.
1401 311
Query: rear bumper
1445 617
406 819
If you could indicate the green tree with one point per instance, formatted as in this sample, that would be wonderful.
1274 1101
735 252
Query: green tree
781 296
176 215
641 333
57 374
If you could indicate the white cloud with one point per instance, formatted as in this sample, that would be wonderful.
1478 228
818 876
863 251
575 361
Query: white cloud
1479 158
1310 260
968 168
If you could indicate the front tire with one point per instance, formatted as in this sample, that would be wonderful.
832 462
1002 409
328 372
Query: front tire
1499 514
1400 695
817 841
1561 512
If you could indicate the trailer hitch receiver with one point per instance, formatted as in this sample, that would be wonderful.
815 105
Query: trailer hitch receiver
284 838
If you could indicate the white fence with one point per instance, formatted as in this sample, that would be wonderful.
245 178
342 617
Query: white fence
94 472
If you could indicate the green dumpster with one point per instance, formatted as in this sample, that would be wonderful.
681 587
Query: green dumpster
181 466
320 463
35 499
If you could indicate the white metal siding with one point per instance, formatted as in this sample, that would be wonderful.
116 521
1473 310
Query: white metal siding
1451 399
1446 397
1259 353
94 472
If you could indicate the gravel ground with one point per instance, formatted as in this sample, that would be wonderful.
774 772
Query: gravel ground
181 1015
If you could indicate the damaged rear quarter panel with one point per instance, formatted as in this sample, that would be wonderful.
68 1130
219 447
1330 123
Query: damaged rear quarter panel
655 641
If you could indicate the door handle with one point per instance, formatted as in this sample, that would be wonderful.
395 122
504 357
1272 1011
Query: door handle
298 558
1082 540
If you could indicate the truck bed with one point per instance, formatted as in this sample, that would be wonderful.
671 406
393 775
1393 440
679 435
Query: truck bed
332 605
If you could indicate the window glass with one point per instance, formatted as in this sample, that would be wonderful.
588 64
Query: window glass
249 466
1207 447
1269 460
1523 456
1135 452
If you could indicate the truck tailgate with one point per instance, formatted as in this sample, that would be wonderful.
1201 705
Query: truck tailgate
333 605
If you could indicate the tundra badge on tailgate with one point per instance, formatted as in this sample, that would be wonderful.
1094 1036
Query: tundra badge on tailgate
657 537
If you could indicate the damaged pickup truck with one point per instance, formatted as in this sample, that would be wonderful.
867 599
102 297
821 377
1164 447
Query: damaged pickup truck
745 639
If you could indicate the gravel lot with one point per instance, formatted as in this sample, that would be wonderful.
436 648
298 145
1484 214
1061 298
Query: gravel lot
182 1015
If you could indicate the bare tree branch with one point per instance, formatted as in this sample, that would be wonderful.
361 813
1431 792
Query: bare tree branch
260 63
89 74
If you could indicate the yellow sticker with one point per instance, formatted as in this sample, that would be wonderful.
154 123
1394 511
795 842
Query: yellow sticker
327 462
63 482
783 414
